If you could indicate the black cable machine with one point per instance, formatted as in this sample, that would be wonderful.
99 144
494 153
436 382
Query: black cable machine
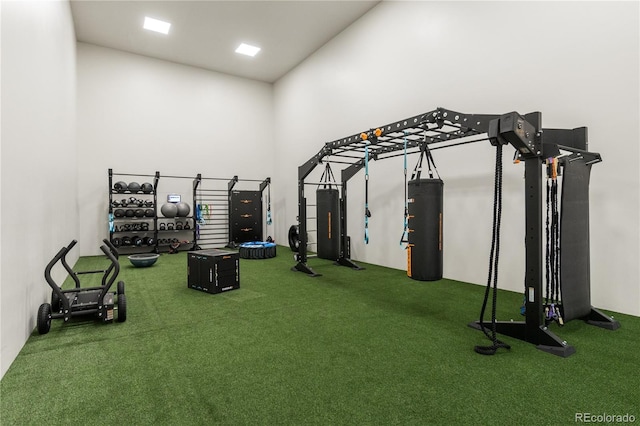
442 128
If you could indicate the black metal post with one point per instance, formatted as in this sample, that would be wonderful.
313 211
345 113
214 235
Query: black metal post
301 256
344 259
196 183
230 186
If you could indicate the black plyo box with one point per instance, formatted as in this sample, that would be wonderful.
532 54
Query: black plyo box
213 271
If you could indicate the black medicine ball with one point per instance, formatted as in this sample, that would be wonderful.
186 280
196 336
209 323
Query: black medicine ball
147 188
120 186
134 187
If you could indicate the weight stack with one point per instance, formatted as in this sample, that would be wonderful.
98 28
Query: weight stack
328 223
246 216
424 251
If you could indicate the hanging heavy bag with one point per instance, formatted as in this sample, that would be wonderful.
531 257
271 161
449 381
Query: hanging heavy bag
425 221
328 217
328 223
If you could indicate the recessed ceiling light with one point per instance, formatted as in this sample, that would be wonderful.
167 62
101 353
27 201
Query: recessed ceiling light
247 49
156 25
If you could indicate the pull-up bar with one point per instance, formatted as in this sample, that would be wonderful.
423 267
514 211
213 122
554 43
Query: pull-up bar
444 128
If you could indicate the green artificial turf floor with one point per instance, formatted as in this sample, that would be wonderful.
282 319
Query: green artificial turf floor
349 347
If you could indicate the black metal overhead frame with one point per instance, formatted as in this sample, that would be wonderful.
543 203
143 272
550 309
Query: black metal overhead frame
443 128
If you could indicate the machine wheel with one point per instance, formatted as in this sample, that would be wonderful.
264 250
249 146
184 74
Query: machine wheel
120 287
55 302
122 307
44 318
294 238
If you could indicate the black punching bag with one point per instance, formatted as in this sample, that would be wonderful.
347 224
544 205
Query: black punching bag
424 252
328 223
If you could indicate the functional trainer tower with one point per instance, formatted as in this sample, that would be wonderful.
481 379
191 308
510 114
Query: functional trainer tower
442 128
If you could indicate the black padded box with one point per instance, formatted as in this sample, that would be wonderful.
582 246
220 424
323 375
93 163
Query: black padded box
213 271
245 221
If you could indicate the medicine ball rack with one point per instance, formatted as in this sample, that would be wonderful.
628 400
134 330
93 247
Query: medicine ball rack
443 128
209 224
133 215
177 233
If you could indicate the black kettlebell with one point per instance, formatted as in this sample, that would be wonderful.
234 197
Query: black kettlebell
179 226
170 226
163 227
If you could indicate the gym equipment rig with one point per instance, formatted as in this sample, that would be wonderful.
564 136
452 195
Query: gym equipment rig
226 216
443 128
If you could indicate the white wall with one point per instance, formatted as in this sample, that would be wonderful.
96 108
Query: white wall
139 115
38 167
576 62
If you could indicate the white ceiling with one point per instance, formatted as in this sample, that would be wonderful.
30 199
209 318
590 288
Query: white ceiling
206 33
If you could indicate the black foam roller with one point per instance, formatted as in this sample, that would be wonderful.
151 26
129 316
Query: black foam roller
424 252
328 223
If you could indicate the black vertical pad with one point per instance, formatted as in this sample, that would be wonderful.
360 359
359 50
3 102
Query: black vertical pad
424 252
246 216
574 240
328 223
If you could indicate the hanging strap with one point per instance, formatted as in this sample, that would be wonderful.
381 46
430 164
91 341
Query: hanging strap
552 270
367 213
373 134
327 178
548 247
199 214
404 238
269 219
425 152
